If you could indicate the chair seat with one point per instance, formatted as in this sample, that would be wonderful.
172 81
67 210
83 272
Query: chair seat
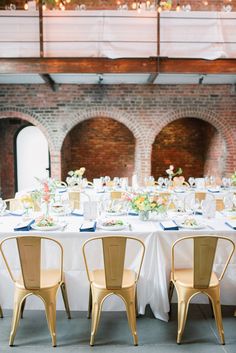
184 277
98 278
49 278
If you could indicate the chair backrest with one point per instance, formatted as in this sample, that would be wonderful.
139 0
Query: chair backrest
14 204
114 251
204 249
74 199
29 250
116 195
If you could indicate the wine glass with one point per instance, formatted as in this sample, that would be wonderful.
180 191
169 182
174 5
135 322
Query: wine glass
160 181
166 183
3 207
191 181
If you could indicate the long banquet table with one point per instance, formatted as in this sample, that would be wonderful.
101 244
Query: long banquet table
154 279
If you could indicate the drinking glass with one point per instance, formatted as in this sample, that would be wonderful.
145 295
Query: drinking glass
160 181
191 181
3 206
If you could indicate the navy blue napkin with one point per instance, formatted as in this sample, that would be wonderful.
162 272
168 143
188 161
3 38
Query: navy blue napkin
24 226
231 224
213 191
133 213
88 227
76 212
169 225
18 213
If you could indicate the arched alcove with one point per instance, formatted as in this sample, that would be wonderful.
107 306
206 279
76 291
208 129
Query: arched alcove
31 161
192 144
8 131
102 145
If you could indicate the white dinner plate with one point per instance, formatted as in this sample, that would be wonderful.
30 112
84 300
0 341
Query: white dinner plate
113 228
198 226
120 213
48 228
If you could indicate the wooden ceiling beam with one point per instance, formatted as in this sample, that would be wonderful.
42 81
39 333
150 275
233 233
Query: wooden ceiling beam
116 66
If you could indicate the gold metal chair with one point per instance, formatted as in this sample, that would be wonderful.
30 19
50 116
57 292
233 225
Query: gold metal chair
14 204
115 195
189 282
35 281
113 279
74 199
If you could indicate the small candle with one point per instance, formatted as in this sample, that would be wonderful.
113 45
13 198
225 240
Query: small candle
134 6
148 3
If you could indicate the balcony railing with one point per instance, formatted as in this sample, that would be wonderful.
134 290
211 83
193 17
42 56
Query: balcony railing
118 34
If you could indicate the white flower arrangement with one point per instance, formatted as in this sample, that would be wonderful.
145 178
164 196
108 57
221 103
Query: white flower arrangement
171 173
75 176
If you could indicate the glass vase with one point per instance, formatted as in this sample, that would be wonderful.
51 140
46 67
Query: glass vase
144 215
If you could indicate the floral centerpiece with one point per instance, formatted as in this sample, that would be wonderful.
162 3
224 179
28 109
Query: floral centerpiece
75 177
233 178
28 203
166 5
145 203
171 173
46 192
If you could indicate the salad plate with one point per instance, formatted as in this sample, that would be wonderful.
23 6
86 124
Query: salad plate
112 224
56 226
115 213
191 223
47 224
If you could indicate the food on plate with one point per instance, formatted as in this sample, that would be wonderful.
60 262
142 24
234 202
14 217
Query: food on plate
190 222
113 223
44 221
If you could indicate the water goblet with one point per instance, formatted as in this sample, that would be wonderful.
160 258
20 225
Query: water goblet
160 181
191 181
3 206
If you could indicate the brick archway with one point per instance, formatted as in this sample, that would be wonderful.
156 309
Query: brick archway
142 145
210 117
12 114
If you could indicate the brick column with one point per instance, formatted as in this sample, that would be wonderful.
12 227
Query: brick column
55 164
143 151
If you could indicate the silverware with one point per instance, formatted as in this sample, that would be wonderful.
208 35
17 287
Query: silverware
130 228
210 227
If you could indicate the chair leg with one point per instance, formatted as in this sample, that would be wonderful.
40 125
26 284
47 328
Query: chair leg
65 299
136 303
214 294
129 298
89 303
1 313
19 297
211 308
22 308
49 299
97 299
183 304
170 294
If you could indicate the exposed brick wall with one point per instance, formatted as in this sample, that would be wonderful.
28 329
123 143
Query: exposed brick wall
144 109
103 146
202 5
8 132
190 144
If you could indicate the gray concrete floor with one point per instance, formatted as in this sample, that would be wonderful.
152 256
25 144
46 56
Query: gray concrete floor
113 334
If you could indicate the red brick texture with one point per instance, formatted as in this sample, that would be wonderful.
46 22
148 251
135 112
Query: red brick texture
103 143
192 144
145 110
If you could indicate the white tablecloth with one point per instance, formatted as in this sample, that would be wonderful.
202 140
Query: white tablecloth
154 280
116 34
